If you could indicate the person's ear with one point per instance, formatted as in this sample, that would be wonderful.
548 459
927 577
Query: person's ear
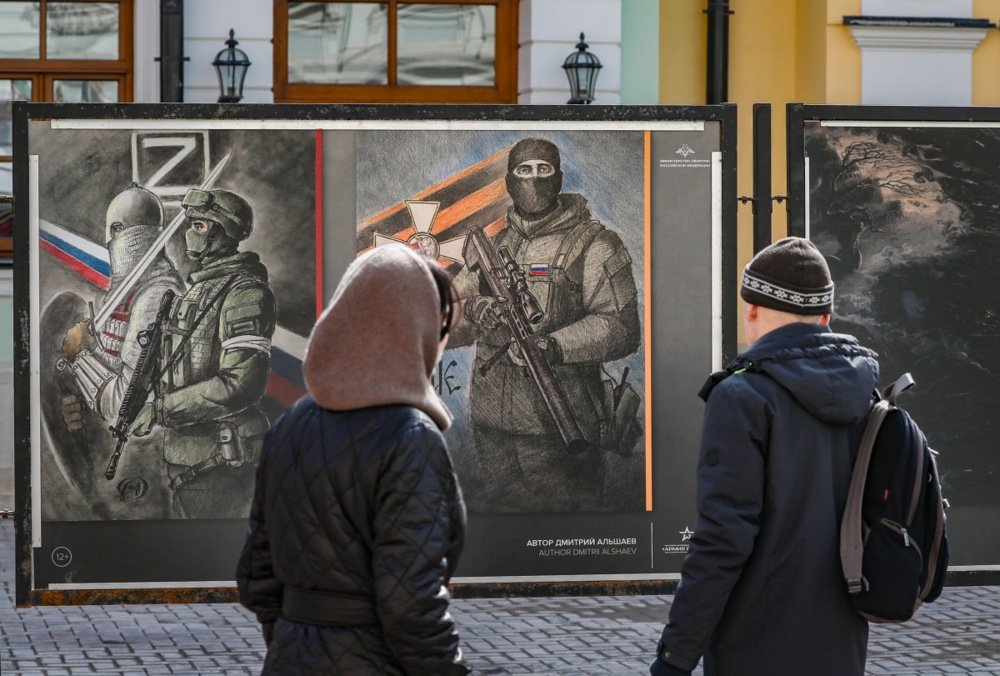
824 320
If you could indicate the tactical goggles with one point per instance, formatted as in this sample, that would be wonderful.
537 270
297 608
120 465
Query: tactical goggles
204 201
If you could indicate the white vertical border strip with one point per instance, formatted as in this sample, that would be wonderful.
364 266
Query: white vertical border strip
716 261
652 563
35 370
805 189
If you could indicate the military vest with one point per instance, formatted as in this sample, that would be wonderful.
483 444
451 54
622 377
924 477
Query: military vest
192 342
552 268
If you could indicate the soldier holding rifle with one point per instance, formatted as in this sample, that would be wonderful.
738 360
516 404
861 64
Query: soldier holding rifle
542 412
214 364
103 367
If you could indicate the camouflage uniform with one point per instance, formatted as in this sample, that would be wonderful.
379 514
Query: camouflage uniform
581 275
217 352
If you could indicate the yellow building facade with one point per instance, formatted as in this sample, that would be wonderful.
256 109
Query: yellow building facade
783 51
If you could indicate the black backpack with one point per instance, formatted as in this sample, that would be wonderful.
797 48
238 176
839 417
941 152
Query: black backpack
893 539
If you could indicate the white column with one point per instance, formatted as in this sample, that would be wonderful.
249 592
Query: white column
916 65
146 47
920 64
548 33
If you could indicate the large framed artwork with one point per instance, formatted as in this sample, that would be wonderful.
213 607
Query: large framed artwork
902 202
593 247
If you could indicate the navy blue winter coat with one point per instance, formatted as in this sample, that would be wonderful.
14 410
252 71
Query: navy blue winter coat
363 507
762 592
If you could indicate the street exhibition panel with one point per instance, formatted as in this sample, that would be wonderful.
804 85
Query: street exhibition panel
593 248
902 202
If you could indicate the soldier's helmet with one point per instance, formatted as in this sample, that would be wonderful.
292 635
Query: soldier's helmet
228 209
131 207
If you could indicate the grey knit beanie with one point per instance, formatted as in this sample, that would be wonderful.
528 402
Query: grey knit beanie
791 275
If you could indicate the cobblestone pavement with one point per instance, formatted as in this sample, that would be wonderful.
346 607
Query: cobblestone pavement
958 634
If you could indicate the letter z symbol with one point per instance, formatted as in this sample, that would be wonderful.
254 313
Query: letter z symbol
185 147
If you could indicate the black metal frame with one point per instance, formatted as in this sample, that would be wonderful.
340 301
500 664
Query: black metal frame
171 56
24 112
762 199
797 114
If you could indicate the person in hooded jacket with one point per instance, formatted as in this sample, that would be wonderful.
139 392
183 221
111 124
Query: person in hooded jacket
761 588
358 520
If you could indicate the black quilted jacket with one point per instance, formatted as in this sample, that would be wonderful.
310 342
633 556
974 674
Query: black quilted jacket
363 503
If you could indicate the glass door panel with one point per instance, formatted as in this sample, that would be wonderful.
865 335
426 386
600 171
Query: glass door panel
85 91
82 30
338 43
446 45
21 30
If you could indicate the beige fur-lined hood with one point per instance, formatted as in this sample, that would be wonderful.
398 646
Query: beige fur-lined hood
377 341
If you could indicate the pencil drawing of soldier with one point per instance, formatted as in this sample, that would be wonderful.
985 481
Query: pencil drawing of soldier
214 364
96 357
547 301
102 366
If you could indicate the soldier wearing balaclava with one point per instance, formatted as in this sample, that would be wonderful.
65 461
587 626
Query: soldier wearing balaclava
102 370
534 177
580 273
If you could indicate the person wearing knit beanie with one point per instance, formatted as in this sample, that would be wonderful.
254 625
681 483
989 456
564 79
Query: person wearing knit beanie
791 276
788 281
358 520
761 589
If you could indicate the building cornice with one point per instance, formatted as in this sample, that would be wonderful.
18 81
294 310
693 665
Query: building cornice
925 35
918 21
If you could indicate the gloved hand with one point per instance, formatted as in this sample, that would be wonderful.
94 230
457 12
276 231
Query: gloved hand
72 412
660 668
77 338
267 628
482 311
548 346
148 418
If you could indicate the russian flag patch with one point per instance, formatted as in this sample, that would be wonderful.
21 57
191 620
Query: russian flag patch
538 269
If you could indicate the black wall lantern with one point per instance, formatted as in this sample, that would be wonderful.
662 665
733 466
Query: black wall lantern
231 66
581 68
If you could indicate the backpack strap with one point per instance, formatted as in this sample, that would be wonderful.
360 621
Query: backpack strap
903 383
934 576
576 242
851 537
735 368
509 237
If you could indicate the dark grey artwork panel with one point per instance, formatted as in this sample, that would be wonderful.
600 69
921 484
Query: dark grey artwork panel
104 196
625 247
907 218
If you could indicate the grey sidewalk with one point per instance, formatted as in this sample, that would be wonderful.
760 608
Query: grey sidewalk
959 634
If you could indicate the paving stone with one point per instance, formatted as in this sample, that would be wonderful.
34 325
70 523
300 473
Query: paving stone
958 634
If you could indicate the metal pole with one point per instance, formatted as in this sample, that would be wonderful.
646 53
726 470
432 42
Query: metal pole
172 51
797 185
761 176
718 51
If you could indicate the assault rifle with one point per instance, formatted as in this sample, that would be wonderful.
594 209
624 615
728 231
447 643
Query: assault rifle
519 309
145 379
